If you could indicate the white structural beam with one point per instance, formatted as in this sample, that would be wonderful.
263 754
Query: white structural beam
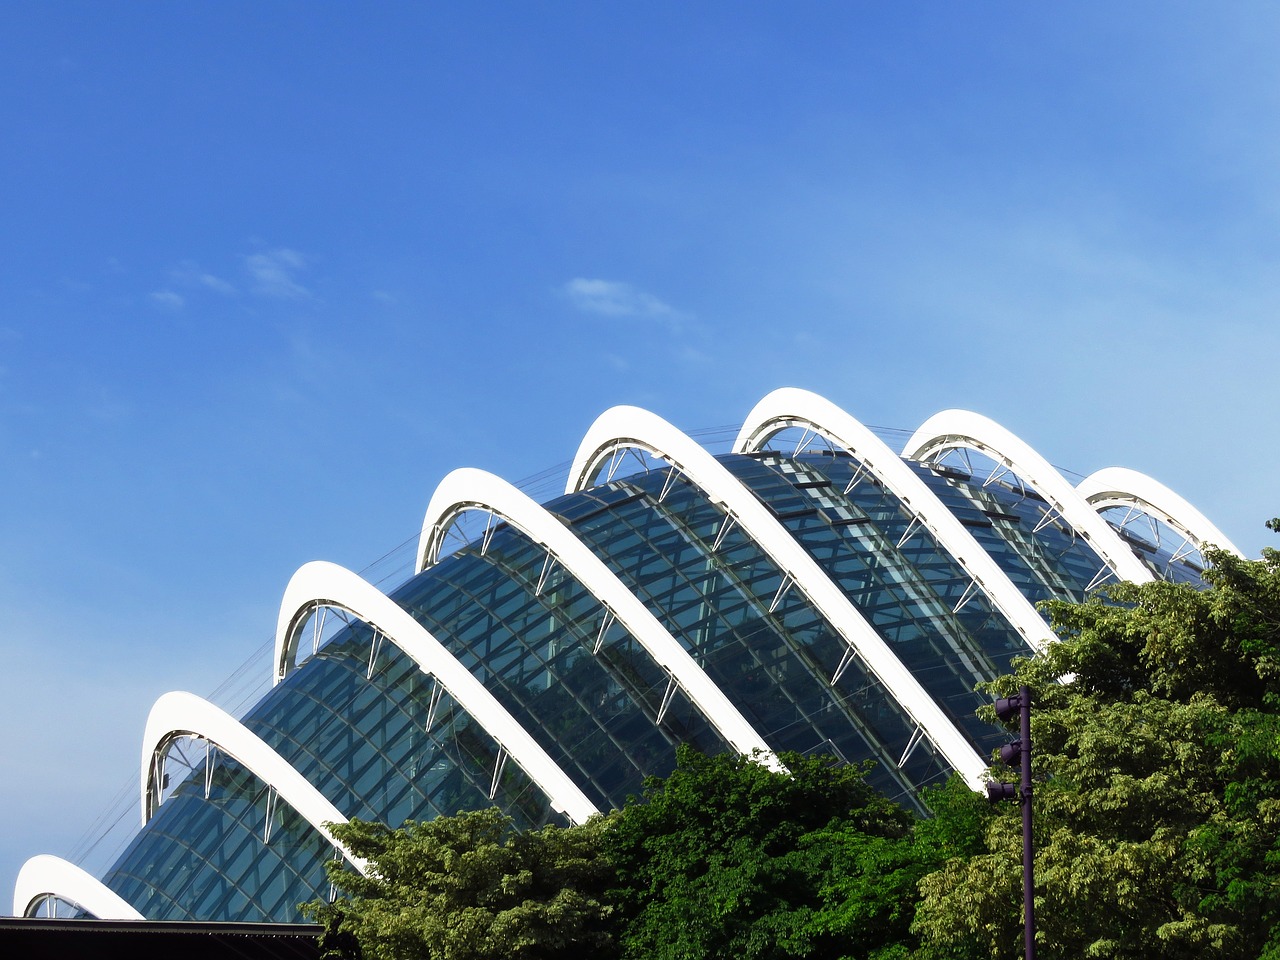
1121 487
623 428
955 429
46 876
470 489
790 407
321 584
180 714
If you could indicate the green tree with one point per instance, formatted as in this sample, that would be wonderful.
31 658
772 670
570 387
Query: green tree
469 888
727 858
1156 732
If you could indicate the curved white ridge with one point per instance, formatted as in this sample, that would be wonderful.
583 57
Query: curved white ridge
620 428
952 429
341 588
44 876
791 407
1122 487
180 714
471 489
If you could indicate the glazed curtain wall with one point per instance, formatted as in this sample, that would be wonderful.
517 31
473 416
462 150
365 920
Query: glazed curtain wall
372 732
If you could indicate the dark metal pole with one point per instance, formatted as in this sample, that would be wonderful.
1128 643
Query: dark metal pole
1028 887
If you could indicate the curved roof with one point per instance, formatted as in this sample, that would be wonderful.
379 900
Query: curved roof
319 583
363 740
790 407
621 428
44 876
1122 487
470 489
180 714
953 429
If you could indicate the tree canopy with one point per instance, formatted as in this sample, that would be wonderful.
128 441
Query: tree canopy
1157 801
723 858
467 887
1156 732
727 858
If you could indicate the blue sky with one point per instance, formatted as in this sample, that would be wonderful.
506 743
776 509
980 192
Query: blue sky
271 270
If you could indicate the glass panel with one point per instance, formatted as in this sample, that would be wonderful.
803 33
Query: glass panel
1169 554
362 737
1049 562
206 859
378 737
593 710
776 665
895 573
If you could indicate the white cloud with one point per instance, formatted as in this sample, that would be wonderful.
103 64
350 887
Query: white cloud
274 272
612 298
190 274
271 273
168 299
216 284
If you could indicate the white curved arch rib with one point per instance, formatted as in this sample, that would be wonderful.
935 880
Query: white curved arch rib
320 583
791 407
952 429
180 714
1122 487
47 876
470 489
621 428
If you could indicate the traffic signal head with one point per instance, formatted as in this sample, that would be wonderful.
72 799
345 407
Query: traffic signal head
997 791
1011 753
1008 708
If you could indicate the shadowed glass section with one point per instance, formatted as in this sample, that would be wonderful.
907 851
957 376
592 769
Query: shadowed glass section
1169 554
1052 562
768 649
206 859
381 740
371 732
897 576
532 634
358 723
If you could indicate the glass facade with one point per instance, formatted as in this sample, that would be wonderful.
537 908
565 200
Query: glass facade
381 740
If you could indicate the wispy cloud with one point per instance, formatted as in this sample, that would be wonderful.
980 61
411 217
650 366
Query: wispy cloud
187 279
190 274
613 298
274 273
168 299
270 273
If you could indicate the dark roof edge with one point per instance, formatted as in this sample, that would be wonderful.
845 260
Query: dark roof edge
165 926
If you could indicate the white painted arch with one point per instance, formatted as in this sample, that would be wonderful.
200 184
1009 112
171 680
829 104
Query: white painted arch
955 429
471 489
45 876
791 407
1122 487
181 714
322 584
622 428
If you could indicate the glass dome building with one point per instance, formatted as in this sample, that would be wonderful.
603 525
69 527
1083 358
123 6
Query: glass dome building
812 590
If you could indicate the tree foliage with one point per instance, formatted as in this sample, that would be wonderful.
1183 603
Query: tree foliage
469 888
1156 734
723 858
727 858
1157 800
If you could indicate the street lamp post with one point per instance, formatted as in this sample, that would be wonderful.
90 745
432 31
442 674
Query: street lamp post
1018 754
